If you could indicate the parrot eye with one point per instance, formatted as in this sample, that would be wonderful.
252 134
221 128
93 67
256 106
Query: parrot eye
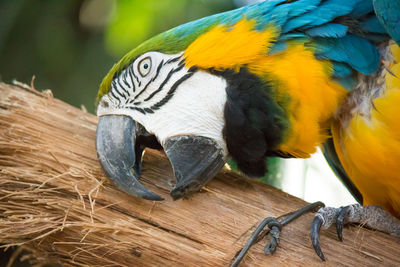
144 66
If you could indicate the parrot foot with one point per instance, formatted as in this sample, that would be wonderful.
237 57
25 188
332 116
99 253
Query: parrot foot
371 216
274 228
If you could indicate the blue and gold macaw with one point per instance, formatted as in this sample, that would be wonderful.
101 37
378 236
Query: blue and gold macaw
277 78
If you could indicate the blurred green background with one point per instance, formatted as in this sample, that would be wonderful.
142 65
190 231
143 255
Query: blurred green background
70 45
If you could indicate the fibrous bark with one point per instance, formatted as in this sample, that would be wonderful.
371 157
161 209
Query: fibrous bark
56 202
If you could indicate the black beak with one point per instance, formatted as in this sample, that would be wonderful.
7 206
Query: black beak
115 145
195 160
120 142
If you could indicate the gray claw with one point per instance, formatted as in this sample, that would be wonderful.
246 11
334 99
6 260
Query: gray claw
340 222
315 229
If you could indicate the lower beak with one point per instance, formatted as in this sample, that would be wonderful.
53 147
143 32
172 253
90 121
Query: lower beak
115 145
195 160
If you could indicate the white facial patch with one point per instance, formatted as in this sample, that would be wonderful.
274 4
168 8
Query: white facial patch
170 100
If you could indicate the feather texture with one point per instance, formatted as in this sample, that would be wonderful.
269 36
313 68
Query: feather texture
332 30
369 146
388 13
350 27
359 53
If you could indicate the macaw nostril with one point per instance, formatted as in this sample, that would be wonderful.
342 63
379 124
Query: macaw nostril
115 145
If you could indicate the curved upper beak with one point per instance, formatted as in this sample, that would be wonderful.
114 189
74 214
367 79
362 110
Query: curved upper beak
120 142
115 145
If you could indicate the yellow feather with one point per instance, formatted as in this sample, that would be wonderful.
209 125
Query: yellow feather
369 148
314 97
230 48
303 83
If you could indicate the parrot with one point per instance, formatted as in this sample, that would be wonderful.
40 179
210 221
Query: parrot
275 78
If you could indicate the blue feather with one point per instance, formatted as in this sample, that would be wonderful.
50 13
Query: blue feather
302 6
344 75
341 70
290 36
281 13
326 12
372 24
342 31
359 53
277 47
388 13
362 8
348 82
328 30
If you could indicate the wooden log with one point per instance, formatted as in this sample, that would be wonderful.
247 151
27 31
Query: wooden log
56 202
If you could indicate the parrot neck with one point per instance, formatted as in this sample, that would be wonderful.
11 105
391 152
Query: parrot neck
283 111
254 123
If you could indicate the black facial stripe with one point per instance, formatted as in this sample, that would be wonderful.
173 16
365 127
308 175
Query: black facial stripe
172 91
162 102
178 82
125 80
113 95
123 88
148 110
158 69
118 92
134 75
145 87
172 71
181 63
138 109
114 88
121 83
131 76
172 60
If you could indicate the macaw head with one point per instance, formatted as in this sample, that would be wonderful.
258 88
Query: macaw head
157 101
179 92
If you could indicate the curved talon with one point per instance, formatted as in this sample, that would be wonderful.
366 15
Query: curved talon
315 229
340 222
253 238
273 243
274 227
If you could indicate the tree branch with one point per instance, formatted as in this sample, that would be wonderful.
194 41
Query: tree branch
56 201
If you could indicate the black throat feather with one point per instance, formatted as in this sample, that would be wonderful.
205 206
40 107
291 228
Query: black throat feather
255 124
